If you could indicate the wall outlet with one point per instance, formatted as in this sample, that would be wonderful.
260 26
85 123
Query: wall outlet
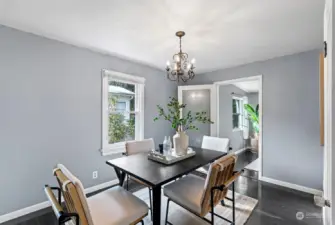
95 174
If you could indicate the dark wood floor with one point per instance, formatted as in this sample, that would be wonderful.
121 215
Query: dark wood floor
276 205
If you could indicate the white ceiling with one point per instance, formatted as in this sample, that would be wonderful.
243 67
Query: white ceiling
248 86
219 33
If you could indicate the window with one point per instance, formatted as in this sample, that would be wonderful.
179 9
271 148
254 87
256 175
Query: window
123 110
120 106
238 110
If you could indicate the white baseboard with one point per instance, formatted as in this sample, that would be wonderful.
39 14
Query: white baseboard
101 186
292 186
237 152
43 205
24 211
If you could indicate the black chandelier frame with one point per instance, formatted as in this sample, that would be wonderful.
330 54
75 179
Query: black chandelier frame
183 68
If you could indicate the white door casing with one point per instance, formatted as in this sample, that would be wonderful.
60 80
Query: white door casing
328 88
260 102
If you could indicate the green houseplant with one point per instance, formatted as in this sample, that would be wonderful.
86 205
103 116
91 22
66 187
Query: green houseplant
181 122
253 116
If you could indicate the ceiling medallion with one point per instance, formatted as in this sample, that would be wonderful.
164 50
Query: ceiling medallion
180 68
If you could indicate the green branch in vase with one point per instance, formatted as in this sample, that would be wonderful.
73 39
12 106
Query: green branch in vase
173 115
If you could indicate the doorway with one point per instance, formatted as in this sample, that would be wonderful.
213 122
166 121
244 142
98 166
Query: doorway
239 117
224 101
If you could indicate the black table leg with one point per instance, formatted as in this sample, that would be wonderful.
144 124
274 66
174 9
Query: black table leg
120 175
156 200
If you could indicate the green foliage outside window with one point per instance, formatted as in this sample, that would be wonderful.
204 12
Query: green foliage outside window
119 129
131 126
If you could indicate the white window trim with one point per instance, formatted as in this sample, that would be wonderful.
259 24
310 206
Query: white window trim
240 122
139 82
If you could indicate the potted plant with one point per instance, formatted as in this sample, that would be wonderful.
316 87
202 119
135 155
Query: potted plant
253 117
181 123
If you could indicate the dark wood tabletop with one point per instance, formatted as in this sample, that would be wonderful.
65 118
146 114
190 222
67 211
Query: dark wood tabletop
154 173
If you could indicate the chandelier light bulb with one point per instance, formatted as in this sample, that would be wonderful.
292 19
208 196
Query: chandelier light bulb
168 63
193 61
188 66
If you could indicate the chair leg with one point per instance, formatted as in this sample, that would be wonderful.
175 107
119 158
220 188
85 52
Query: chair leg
150 202
222 203
167 211
212 206
127 187
233 202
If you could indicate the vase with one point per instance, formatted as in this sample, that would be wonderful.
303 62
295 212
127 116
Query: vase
180 143
254 142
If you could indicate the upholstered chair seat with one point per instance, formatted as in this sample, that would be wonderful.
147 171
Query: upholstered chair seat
213 143
187 191
137 147
199 195
115 206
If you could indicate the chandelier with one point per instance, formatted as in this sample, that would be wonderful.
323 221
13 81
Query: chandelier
180 68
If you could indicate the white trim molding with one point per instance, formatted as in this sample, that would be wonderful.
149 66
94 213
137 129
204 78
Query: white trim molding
260 102
101 186
328 166
122 76
292 186
139 82
46 204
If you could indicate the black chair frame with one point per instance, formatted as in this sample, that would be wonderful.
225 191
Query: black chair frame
62 217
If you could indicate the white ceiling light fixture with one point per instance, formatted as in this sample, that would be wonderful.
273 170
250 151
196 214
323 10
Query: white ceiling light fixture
181 68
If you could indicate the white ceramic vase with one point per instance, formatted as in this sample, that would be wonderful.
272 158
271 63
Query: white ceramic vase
254 142
180 143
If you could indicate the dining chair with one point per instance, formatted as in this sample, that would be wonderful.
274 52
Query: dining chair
135 147
113 206
199 195
213 143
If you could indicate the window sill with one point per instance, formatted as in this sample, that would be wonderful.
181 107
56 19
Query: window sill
237 129
112 151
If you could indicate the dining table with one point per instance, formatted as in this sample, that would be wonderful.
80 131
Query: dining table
156 174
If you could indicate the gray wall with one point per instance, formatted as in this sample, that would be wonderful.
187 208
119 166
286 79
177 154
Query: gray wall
50 97
291 144
225 114
253 99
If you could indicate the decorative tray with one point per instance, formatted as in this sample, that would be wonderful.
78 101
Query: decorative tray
170 159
